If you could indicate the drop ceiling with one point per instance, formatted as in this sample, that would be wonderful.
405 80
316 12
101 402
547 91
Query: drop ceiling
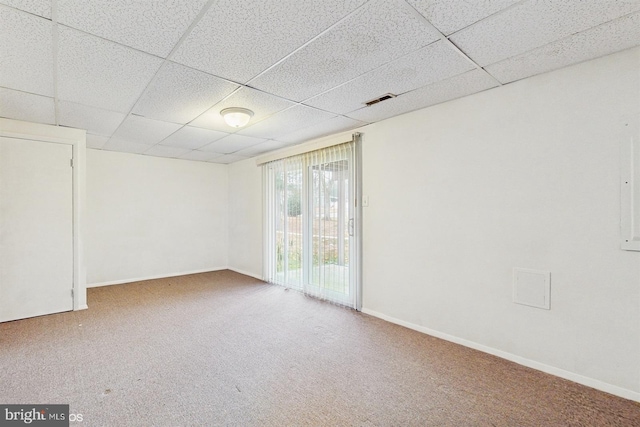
151 77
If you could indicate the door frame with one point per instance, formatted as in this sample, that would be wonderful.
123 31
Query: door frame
356 187
77 139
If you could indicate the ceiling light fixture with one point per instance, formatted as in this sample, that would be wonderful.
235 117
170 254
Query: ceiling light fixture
236 117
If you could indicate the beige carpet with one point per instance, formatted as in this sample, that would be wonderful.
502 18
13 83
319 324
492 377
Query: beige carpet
225 349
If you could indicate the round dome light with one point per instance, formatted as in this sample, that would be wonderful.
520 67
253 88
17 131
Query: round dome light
236 117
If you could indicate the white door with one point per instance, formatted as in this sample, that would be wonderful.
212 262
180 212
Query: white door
36 228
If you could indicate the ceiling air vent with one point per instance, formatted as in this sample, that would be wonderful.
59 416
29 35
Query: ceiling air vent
382 98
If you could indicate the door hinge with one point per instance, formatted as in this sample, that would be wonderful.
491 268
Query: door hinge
71 293
71 162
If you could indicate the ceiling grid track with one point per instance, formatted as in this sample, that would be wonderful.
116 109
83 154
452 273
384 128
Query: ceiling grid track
449 43
567 37
308 42
54 49
281 60
499 12
195 22
148 80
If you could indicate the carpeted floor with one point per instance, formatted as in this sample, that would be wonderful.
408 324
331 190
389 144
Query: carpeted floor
225 349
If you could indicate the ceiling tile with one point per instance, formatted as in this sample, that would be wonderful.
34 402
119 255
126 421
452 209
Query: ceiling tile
262 104
286 122
125 146
261 148
327 127
192 138
26 106
92 119
37 7
26 54
534 23
450 16
430 64
96 141
329 55
202 156
611 37
179 94
97 72
163 151
445 90
228 158
145 131
144 25
378 33
232 143
237 39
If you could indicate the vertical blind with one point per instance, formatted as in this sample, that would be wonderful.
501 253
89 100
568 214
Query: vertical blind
309 222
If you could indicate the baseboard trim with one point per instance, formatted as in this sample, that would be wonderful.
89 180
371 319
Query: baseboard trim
567 375
246 273
159 276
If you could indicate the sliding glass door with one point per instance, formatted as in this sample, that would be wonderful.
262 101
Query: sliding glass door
286 180
329 228
311 214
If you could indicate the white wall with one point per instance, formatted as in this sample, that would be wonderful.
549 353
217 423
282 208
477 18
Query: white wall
152 217
245 218
526 175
